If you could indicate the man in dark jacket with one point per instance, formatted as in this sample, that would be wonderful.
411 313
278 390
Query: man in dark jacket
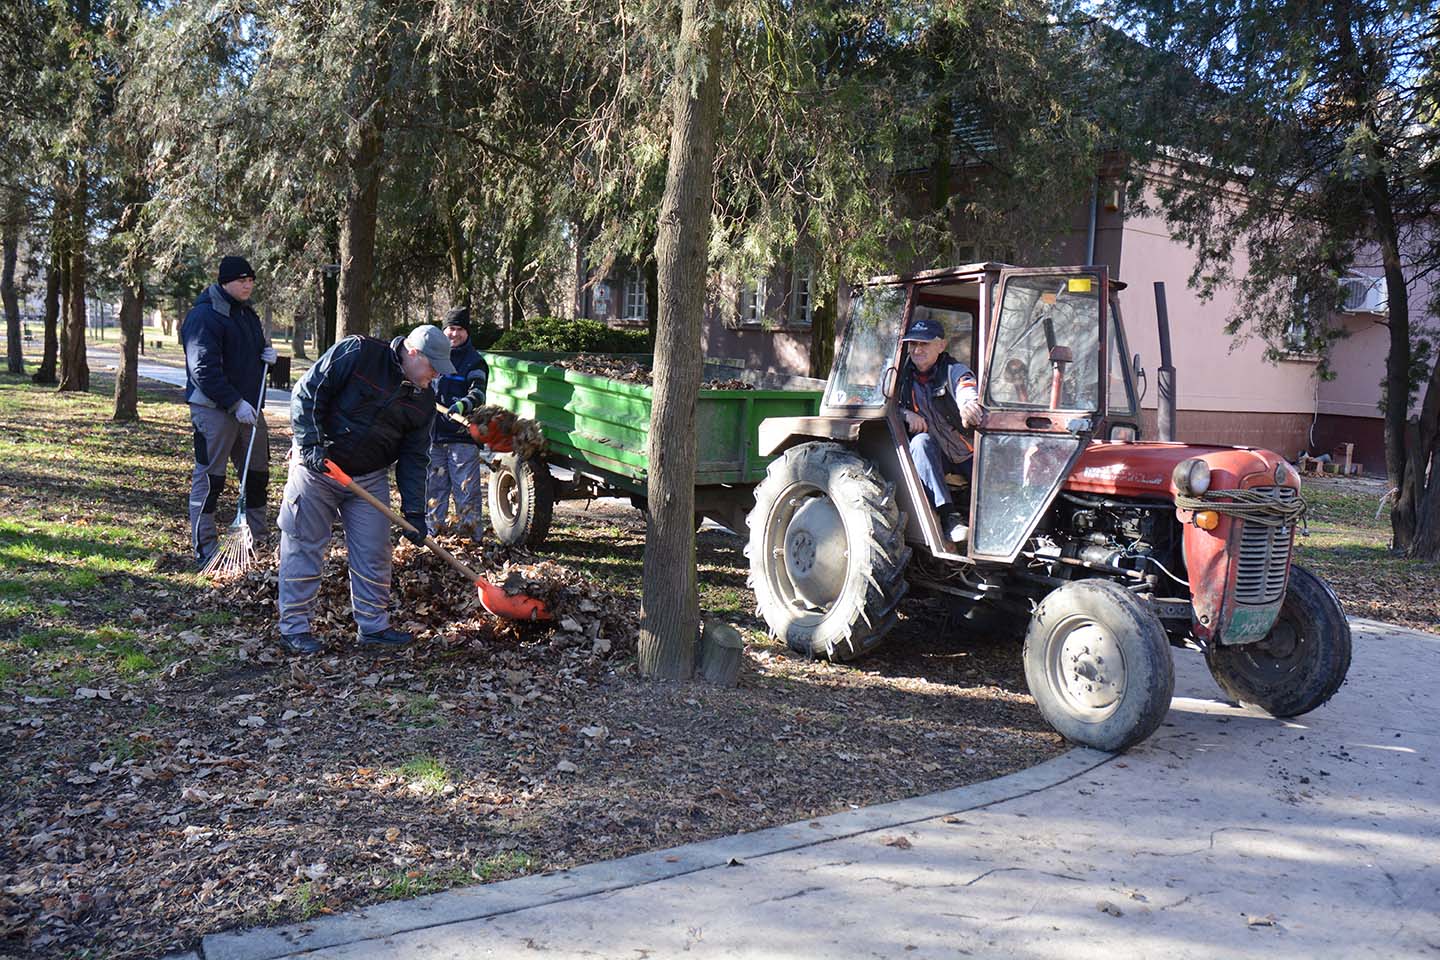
365 404
940 400
226 352
455 466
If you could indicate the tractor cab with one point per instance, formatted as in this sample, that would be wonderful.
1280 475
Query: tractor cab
1048 349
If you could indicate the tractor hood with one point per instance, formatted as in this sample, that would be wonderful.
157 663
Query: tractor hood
1144 469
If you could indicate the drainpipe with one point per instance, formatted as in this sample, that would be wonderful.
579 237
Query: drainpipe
1090 230
1165 376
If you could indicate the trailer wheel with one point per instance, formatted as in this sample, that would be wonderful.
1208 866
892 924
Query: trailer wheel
522 498
1301 662
1098 664
827 551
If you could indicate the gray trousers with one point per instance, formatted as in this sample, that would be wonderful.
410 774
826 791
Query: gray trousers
221 439
456 469
311 504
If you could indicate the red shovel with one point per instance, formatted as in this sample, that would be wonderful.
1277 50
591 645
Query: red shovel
492 598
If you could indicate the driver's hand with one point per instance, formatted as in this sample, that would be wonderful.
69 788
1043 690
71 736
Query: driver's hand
914 422
972 414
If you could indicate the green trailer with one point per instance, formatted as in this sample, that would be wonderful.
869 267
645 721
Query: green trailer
597 435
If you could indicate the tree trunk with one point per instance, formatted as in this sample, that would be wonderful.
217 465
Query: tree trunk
297 338
132 317
1397 366
669 607
74 369
329 311
823 320
358 222
49 357
14 348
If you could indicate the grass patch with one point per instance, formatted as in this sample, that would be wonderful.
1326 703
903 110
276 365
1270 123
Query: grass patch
426 774
502 866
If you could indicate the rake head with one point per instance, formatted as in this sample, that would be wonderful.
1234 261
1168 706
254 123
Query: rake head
233 555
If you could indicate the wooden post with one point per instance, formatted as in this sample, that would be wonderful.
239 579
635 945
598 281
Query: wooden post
720 654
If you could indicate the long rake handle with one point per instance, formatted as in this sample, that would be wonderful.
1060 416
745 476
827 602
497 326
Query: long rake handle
250 447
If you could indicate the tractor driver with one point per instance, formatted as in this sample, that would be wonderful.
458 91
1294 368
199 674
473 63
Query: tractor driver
940 399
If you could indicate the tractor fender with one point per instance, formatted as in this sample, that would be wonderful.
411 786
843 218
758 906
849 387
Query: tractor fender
778 434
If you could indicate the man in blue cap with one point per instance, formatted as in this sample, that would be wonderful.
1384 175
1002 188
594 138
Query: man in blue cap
940 401
455 467
365 404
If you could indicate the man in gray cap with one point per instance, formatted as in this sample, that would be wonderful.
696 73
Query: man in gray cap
365 404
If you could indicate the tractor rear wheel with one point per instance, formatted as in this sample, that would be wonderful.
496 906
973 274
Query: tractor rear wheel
827 551
1301 662
522 499
1098 664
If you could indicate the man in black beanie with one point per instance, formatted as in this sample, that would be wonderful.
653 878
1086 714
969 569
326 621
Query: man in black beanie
455 467
226 353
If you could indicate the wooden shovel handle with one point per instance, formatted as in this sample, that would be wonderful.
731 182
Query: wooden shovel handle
333 471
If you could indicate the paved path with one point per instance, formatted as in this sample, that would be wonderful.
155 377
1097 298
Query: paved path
277 402
1227 834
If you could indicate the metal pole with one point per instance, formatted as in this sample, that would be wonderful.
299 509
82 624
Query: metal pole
1165 378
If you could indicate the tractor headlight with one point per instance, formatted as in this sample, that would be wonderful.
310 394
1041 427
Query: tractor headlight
1191 477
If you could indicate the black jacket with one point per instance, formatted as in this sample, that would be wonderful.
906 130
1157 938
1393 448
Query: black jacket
357 404
223 340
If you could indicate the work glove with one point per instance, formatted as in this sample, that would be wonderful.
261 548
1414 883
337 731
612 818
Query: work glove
972 414
417 537
463 406
314 458
268 355
245 413
914 423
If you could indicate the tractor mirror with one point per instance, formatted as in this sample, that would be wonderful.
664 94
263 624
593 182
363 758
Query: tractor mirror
1141 381
1123 433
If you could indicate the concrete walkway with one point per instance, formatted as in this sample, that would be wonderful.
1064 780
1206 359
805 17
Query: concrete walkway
1227 834
277 402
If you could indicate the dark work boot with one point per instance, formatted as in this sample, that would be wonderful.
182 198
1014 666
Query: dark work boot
301 643
385 641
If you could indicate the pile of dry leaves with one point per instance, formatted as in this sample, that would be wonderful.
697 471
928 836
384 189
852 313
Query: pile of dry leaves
232 785
526 437
628 370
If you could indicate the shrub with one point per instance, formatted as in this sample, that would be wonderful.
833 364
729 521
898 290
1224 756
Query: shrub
581 335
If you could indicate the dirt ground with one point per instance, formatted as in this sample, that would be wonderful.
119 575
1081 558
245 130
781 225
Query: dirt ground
232 785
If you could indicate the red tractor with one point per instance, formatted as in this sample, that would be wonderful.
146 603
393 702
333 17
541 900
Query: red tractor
1112 549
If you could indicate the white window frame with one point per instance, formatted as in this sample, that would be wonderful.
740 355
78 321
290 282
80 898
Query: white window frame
636 302
753 295
802 304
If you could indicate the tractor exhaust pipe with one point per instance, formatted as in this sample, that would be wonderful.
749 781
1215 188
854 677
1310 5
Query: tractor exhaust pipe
1165 376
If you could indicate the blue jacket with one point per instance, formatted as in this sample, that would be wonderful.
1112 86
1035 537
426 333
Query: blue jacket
470 378
356 403
222 339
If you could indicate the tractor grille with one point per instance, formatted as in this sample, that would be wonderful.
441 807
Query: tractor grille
1264 555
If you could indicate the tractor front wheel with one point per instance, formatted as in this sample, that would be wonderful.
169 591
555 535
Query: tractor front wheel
1301 662
1098 664
827 551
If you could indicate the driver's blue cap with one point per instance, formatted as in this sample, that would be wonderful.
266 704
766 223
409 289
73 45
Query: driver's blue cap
924 330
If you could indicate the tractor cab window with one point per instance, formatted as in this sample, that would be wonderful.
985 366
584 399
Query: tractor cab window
1120 395
1047 346
858 376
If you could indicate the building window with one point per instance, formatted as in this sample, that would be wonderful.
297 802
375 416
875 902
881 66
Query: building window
802 297
752 302
636 307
